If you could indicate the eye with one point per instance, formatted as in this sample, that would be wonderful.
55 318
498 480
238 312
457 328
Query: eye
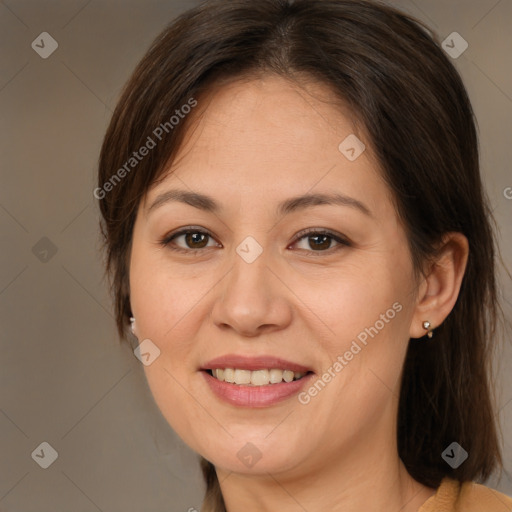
194 239
320 240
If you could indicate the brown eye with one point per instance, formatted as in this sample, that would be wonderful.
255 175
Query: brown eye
188 240
196 240
320 241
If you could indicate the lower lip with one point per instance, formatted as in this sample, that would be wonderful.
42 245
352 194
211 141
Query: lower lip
255 396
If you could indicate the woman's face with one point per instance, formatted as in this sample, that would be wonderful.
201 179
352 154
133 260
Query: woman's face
249 289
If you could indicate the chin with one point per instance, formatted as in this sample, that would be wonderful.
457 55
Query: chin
257 457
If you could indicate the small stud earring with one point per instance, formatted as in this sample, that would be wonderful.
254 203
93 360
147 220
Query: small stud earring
426 325
132 324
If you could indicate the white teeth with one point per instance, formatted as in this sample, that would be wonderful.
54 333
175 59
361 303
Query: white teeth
256 377
276 376
287 375
260 377
242 377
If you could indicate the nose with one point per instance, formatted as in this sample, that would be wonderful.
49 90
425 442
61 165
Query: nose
252 300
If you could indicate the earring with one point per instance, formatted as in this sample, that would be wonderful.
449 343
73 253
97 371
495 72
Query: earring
132 325
426 325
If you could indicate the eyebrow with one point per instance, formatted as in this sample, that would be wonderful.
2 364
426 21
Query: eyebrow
207 203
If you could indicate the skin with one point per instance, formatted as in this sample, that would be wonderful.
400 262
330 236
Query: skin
256 143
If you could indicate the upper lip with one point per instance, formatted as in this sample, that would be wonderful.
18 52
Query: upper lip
253 363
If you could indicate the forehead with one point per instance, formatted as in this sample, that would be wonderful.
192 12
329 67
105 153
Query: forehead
268 136
271 111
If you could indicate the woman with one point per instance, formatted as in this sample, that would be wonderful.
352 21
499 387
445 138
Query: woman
297 232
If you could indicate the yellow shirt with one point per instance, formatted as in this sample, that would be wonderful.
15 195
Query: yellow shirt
451 496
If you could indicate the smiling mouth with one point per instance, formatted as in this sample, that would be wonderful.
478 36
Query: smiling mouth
255 377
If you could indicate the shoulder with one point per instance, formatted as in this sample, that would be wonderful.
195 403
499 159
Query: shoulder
480 498
452 496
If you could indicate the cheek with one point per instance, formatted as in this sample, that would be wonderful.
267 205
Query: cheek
364 311
160 295
366 328
165 307
354 299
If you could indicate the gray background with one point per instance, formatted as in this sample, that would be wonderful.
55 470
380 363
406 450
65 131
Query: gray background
64 377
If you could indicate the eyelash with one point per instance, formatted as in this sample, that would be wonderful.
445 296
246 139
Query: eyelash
167 239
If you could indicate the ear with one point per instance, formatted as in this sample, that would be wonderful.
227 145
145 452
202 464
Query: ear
438 291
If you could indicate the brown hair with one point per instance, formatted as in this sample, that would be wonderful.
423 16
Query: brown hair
390 70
